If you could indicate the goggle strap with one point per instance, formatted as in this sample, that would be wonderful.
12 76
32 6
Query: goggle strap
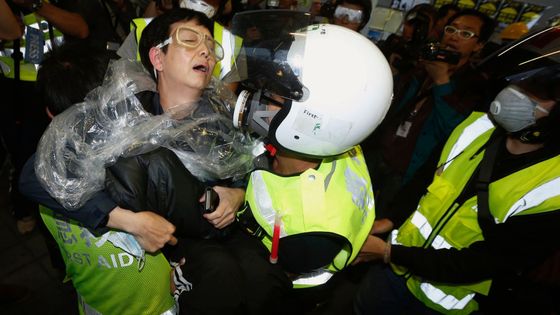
165 43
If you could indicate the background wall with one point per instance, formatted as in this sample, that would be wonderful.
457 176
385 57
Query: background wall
552 11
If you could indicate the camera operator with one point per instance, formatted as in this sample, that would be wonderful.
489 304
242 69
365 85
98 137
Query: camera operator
402 51
430 101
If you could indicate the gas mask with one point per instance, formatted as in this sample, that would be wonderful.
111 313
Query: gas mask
252 112
513 110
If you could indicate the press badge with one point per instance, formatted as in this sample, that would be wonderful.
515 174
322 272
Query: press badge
34 43
403 129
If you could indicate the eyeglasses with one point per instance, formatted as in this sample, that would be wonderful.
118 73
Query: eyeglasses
189 38
353 16
464 34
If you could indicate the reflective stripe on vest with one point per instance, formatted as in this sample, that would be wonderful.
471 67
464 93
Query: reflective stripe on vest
425 228
534 198
313 278
473 131
447 301
231 45
335 198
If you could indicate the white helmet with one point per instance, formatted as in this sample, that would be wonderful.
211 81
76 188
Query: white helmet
337 87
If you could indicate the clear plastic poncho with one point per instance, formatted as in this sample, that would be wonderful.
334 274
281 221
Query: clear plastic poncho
88 137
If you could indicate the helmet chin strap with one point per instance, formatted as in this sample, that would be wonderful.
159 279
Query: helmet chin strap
540 132
531 135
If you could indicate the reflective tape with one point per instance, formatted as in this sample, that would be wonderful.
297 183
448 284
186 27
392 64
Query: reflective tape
447 301
313 278
471 132
425 229
534 198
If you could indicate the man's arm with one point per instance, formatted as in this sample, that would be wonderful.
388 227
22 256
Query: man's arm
69 23
151 231
101 212
510 247
9 26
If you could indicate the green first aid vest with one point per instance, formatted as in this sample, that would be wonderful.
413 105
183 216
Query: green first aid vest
108 279
337 198
231 44
28 71
441 223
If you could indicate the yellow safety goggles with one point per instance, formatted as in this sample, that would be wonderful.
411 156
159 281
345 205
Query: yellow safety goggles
190 38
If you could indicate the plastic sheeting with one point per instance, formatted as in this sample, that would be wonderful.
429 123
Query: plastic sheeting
83 140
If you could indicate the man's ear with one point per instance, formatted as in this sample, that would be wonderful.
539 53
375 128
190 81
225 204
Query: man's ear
51 116
156 58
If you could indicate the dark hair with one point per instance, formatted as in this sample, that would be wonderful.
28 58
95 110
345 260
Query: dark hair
444 10
365 4
69 72
424 8
487 27
159 30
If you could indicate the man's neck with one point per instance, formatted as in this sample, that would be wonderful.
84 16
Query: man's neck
289 165
174 96
516 147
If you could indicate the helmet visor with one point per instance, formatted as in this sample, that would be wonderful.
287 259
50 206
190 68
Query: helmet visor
530 54
272 51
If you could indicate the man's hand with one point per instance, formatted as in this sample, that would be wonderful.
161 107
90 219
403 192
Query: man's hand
231 200
437 70
373 249
382 226
150 230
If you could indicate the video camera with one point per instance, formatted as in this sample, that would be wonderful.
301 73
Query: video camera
432 52
418 47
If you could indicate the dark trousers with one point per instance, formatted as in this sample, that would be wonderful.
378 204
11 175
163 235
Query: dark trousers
231 276
383 292
217 283
267 287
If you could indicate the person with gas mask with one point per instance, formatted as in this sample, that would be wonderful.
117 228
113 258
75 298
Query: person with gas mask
430 101
491 212
309 203
352 14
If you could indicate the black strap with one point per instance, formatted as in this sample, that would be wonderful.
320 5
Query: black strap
17 56
51 35
485 218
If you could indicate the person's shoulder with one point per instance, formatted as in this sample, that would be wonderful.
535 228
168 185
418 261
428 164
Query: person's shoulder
149 101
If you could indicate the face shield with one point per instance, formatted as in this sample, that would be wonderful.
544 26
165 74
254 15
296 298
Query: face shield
527 57
269 65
